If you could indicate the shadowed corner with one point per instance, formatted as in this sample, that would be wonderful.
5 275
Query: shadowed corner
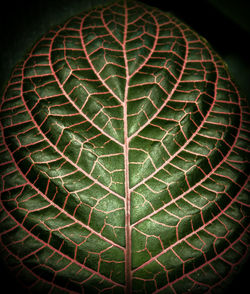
9 283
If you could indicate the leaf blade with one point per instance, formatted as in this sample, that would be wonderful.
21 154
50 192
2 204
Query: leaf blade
126 165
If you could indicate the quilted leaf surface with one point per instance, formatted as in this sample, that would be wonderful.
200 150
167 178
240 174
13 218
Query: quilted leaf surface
124 150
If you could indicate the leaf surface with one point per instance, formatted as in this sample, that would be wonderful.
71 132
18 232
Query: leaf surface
125 158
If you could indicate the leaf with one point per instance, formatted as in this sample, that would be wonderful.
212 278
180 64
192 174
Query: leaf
125 150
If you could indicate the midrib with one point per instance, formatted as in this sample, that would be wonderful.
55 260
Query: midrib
126 167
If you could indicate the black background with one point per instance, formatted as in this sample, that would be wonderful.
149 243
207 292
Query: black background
23 22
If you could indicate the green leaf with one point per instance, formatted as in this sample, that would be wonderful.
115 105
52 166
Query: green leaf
124 158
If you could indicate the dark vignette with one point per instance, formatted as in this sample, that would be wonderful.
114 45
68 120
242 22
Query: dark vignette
23 22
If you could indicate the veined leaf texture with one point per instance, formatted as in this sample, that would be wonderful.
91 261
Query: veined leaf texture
125 154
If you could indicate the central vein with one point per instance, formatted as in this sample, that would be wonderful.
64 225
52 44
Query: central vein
126 166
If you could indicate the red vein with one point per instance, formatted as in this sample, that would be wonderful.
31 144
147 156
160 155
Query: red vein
56 206
91 64
195 231
68 97
153 47
194 186
125 146
201 266
126 166
109 31
38 277
170 94
184 145
61 153
181 196
59 252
